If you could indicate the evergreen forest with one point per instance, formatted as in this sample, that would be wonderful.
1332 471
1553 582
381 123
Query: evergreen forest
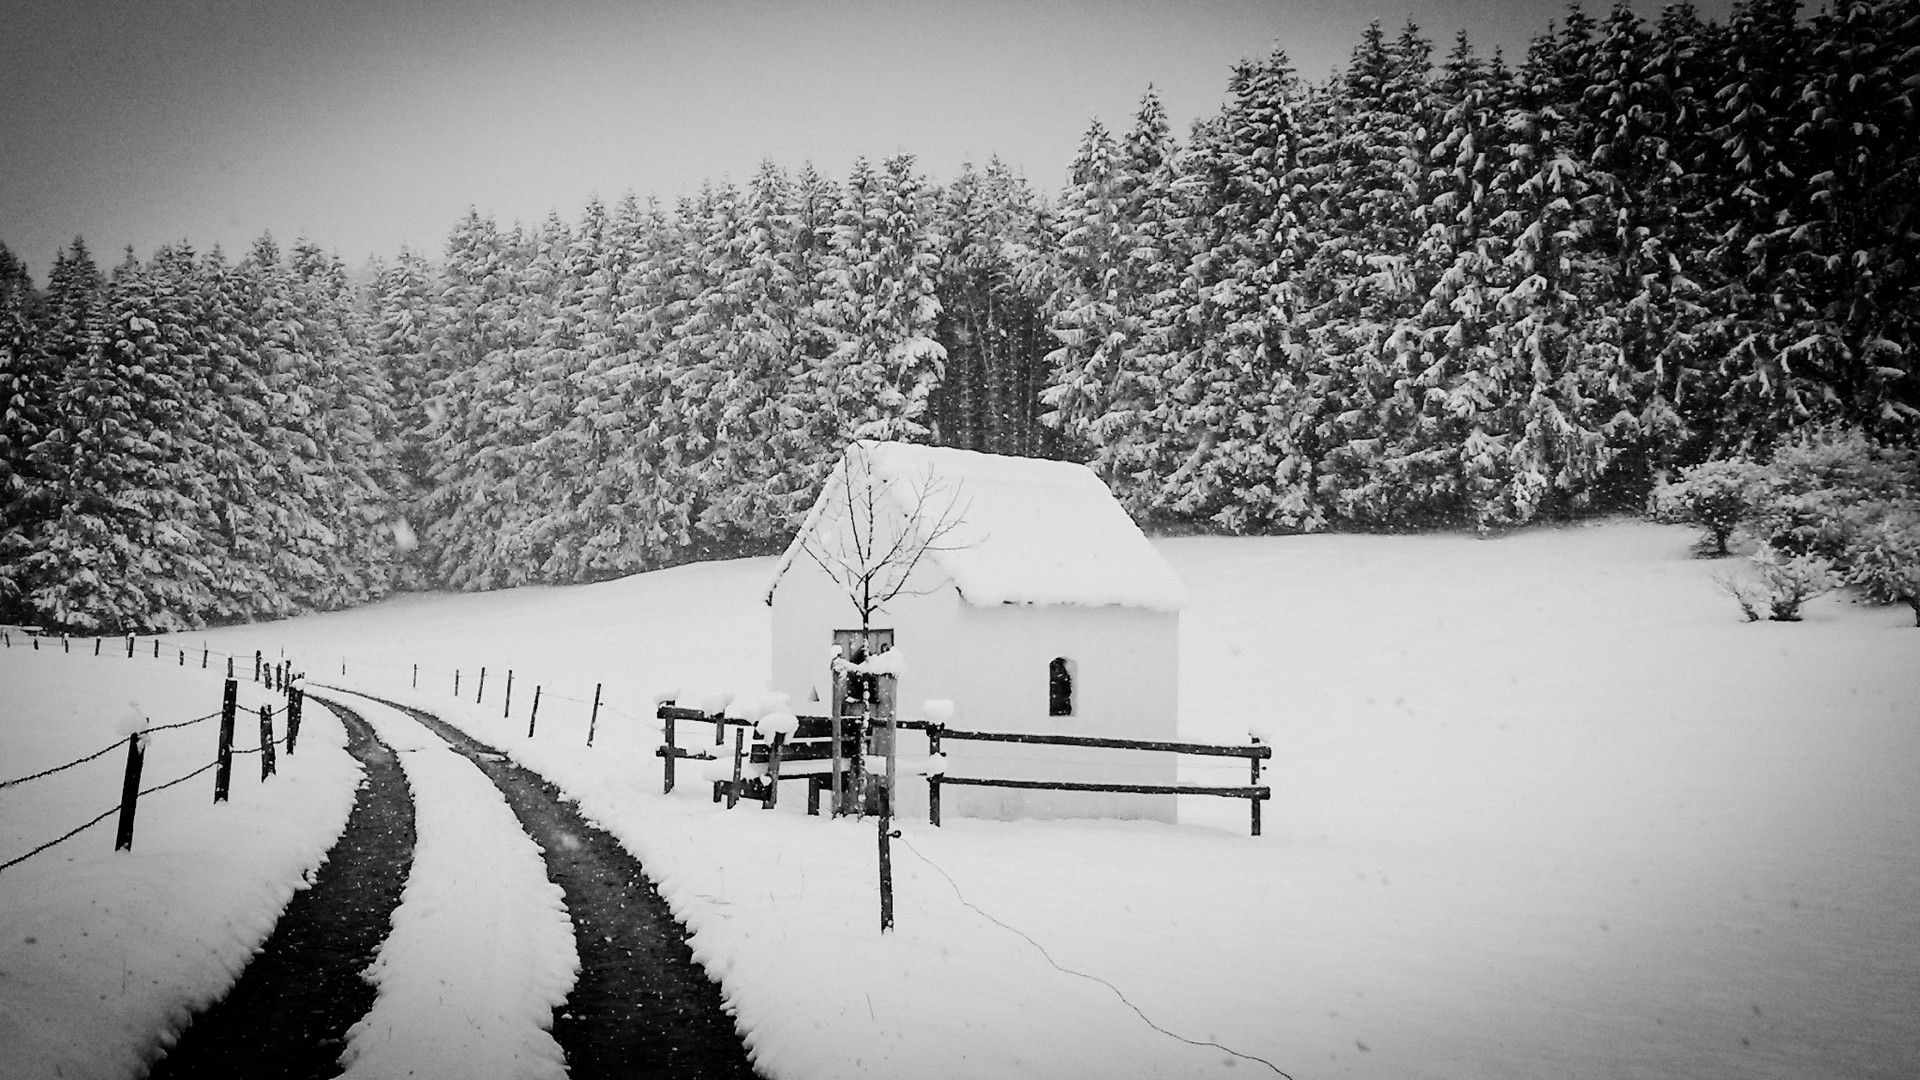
1436 290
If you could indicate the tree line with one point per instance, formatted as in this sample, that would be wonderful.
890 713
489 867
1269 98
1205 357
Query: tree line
1453 293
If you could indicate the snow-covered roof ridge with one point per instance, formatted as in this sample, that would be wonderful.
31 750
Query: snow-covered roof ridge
1034 531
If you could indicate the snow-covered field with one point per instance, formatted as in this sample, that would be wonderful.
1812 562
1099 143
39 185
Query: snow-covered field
1543 806
100 951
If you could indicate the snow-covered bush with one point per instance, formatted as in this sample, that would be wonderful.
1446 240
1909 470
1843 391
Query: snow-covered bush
1821 488
1780 582
1715 495
1883 558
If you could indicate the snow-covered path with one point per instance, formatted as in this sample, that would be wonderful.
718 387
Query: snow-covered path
481 950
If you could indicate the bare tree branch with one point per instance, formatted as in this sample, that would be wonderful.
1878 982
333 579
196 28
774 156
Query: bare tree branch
873 571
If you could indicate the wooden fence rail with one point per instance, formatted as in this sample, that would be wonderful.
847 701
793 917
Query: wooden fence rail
1253 791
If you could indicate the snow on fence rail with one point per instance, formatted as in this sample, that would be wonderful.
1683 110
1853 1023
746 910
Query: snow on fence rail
276 676
770 753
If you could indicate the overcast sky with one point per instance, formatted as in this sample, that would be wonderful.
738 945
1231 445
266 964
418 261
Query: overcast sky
368 124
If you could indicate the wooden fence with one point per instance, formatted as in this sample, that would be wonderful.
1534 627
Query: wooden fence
1253 791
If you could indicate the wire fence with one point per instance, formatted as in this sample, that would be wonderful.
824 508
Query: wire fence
279 674
280 677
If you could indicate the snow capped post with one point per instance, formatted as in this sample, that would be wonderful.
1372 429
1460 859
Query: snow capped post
130 785
223 773
266 743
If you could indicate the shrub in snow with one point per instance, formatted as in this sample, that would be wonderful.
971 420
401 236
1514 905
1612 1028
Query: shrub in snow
1780 583
1819 489
1715 495
1883 558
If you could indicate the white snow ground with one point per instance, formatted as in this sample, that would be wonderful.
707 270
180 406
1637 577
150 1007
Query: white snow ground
1544 806
101 951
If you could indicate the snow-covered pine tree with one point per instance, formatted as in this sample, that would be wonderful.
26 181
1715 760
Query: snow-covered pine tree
751 496
28 383
1088 372
1240 386
352 408
479 334
1757 209
117 553
1854 267
1562 363
1391 456
886 306
992 284
241 420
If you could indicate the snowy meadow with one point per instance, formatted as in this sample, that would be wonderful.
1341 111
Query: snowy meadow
1543 805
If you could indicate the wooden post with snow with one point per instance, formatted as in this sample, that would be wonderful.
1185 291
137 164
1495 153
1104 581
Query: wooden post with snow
295 696
223 773
266 742
594 720
130 790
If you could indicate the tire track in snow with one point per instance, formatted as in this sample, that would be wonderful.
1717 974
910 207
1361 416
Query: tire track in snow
288 1013
481 952
641 1006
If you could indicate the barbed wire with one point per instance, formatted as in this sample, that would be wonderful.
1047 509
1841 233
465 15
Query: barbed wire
117 744
62 839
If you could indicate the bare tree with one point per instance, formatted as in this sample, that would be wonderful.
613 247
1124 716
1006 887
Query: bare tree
874 531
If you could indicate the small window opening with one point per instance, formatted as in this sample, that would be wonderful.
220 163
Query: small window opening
1060 687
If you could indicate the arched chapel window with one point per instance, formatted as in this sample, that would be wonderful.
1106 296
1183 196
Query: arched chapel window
1060 687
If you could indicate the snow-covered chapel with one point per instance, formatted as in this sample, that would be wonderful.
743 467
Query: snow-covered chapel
1038 607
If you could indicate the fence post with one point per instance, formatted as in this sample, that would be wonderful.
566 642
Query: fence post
535 714
508 709
64 646
294 697
156 647
96 646
594 720
480 694
1255 800
229 669
223 774
266 742
183 658
129 646
739 749
256 665
416 676
933 779
670 748
130 791
456 682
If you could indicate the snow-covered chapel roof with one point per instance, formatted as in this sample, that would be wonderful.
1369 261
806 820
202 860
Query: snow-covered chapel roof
1033 531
